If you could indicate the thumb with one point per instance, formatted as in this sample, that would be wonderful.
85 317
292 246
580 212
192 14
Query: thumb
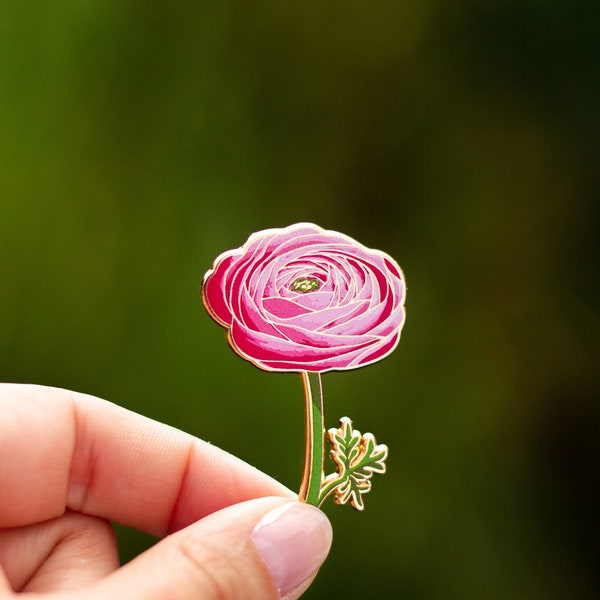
267 548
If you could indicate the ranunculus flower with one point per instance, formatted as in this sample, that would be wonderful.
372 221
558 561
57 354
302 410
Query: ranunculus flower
306 299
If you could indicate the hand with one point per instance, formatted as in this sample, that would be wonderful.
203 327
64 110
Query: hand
70 463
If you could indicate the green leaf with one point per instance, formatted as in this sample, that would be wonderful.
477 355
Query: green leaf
357 457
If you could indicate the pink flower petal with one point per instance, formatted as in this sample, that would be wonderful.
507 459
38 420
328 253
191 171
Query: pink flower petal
281 308
322 320
213 290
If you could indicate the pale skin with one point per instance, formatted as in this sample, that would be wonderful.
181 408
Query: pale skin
71 463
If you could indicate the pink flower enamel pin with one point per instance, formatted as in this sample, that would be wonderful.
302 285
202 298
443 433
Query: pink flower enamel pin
308 300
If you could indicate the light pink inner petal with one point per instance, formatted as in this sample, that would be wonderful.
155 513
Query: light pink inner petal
314 300
374 321
338 273
322 340
341 361
311 244
377 352
319 255
291 253
345 323
274 271
280 308
261 285
253 318
359 272
366 292
291 270
269 254
346 284
372 262
394 322
281 237
257 275
264 347
240 273
361 323
286 290
319 321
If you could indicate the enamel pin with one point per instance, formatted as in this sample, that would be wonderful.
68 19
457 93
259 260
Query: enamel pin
307 300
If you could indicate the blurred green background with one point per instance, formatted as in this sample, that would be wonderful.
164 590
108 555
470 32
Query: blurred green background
138 140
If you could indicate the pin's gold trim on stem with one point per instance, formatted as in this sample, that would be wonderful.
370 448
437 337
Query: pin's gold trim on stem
315 435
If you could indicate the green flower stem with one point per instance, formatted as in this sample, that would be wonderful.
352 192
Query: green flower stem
315 432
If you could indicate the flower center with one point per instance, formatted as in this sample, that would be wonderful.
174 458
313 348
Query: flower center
305 284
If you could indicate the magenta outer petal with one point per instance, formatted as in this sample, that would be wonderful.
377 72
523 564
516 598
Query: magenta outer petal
353 319
214 291
266 352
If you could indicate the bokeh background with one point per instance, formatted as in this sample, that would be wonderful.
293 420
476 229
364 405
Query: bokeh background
138 140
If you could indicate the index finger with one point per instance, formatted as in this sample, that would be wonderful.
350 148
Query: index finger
61 449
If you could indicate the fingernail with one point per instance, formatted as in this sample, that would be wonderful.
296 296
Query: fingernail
293 541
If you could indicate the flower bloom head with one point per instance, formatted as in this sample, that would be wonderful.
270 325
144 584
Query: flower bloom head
306 299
